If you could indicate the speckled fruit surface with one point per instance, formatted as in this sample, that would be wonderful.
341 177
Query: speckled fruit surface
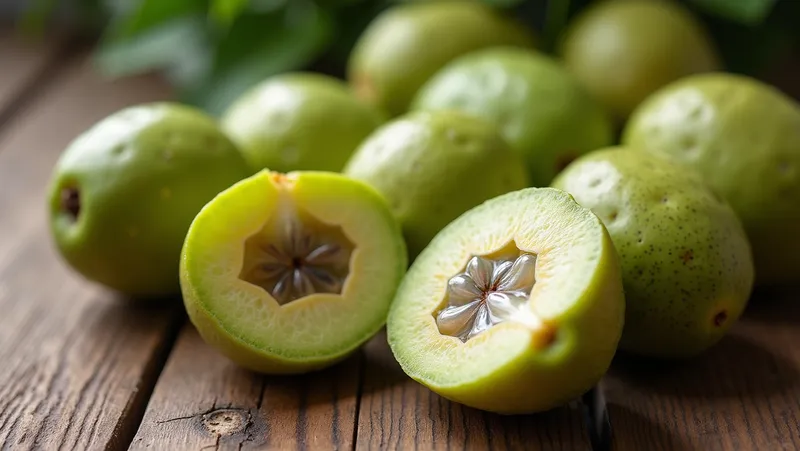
539 108
686 262
408 43
433 166
533 281
743 136
291 273
124 192
299 121
623 50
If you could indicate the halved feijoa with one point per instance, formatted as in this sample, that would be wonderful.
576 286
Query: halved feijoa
290 273
516 306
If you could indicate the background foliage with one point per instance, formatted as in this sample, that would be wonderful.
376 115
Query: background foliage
212 50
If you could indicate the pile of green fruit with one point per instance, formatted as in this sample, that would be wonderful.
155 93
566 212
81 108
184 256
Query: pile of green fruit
538 245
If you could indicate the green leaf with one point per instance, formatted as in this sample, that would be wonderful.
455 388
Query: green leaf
226 11
258 46
503 3
34 19
180 47
148 13
749 12
267 6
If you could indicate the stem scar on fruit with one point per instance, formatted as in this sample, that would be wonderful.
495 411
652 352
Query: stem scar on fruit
490 291
71 202
295 255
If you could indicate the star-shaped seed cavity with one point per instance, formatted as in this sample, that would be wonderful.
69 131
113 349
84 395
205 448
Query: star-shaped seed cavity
298 259
487 293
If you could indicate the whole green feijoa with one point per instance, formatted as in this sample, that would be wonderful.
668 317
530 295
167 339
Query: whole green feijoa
687 269
743 136
539 108
623 50
406 44
434 166
299 121
124 193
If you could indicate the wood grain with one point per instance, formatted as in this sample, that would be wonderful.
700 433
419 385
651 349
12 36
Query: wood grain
204 401
24 64
77 363
744 394
398 413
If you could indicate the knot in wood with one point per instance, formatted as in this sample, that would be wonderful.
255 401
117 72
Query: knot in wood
225 421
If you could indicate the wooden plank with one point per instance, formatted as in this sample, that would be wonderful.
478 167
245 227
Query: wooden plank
23 64
743 394
203 400
397 413
77 363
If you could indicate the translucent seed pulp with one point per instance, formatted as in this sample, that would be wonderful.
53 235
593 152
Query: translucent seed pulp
296 256
487 293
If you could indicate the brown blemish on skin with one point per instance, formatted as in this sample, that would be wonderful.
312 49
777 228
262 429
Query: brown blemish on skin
687 256
364 88
720 318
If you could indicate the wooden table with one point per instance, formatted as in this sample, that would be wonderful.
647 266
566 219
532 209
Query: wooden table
82 369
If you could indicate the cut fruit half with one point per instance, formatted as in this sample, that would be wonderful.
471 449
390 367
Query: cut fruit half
291 273
516 306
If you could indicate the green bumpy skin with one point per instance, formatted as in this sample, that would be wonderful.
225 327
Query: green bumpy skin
511 367
540 109
299 121
243 321
404 46
622 51
686 262
142 175
434 166
743 136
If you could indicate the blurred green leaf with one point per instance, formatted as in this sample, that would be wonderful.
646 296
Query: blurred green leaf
258 46
266 6
180 47
749 12
148 13
503 3
35 18
226 11
85 15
